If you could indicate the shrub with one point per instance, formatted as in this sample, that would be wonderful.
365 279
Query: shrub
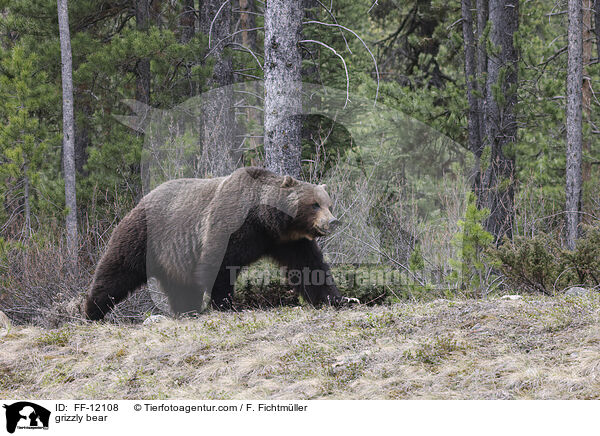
33 280
263 285
540 264
37 287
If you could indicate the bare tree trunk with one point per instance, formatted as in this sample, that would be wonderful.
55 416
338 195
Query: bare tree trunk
283 86
82 133
248 21
482 19
68 132
501 126
27 202
574 122
475 144
219 154
587 38
142 84
187 21
597 26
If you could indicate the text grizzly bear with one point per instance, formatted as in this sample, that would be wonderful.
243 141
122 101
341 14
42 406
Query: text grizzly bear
193 235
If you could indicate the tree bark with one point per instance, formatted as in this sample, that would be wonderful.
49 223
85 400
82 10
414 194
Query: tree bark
482 19
501 126
597 26
587 38
248 21
82 132
283 86
187 21
574 122
474 138
27 201
142 84
68 132
219 155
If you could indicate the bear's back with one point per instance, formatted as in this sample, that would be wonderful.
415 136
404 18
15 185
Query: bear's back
181 197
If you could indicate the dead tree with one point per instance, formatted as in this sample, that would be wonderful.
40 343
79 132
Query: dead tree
68 132
574 122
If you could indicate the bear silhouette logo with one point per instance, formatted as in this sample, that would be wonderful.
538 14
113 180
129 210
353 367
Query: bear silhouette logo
26 415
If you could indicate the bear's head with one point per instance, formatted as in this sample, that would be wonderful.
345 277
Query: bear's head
313 217
289 207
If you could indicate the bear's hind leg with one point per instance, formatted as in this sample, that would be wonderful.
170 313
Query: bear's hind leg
112 284
122 269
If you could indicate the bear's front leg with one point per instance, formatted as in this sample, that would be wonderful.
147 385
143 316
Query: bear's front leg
308 272
222 291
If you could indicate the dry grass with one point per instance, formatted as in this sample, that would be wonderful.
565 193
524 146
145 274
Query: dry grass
536 348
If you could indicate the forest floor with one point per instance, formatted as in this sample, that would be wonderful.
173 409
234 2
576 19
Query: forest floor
532 348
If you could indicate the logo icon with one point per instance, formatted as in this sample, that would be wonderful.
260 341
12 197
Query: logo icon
26 415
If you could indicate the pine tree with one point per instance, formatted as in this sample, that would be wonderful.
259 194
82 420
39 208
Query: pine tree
283 86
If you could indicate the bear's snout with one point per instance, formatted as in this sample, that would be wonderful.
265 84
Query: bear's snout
333 222
325 224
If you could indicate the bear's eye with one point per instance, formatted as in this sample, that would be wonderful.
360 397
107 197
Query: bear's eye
316 206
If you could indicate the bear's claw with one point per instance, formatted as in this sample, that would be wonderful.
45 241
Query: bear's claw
344 301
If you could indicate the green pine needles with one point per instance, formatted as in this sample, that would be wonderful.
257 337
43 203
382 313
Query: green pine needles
469 266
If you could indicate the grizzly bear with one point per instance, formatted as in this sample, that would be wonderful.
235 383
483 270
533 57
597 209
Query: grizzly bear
194 236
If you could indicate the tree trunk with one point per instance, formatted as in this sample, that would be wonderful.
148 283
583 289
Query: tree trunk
187 21
219 155
587 38
27 201
597 26
142 84
82 132
248 21
475 144
283 86
501 126
574 122
68 132
482 18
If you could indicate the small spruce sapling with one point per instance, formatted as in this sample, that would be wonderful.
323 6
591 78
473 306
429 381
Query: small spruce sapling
471 241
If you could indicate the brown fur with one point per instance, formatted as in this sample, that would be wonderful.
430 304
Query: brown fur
191 234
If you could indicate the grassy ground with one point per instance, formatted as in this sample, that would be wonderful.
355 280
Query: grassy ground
537 348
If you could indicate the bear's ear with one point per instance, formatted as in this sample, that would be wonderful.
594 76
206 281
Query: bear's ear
288 182
324 186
